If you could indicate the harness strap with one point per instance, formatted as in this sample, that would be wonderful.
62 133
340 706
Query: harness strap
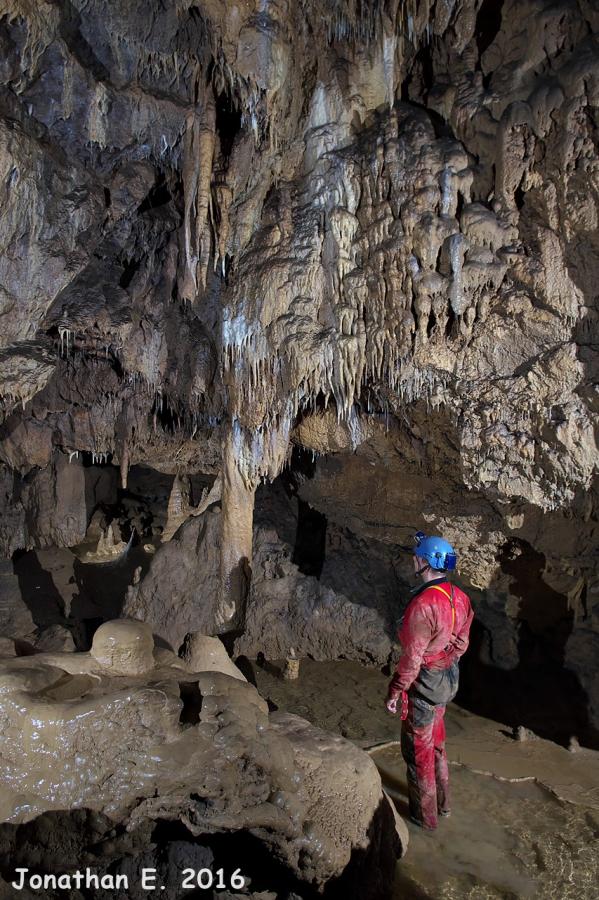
437 587
443 654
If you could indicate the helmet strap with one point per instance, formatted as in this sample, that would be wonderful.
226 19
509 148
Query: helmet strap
423 569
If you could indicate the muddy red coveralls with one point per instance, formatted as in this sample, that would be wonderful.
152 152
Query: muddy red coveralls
433 636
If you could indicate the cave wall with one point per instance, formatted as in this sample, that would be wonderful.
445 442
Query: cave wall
366 230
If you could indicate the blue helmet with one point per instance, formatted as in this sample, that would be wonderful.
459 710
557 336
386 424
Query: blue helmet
438 552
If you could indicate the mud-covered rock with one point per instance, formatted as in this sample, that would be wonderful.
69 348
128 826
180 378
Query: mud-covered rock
285 608
203 653
200 749
290 611
180 592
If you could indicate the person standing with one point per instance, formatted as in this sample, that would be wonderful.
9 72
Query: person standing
433 636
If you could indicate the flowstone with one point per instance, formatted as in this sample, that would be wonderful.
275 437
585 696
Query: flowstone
140 738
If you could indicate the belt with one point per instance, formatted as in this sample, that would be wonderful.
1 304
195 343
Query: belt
446 655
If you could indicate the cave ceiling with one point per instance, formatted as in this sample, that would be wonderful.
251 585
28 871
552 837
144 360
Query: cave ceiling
331 224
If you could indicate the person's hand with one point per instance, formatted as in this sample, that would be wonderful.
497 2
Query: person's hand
404 706
403 701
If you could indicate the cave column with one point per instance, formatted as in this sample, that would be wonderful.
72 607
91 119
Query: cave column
236 539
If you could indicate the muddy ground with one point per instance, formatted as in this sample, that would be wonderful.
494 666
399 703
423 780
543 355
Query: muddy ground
525 814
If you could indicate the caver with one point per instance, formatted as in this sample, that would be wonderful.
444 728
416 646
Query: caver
433 637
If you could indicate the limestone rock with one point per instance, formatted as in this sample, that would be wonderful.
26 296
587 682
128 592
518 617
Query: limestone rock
289 610
179 593
55 504
168 866
338 785
57 639
178 509
203 653
384 216
285 608
7 647
108 548
15 617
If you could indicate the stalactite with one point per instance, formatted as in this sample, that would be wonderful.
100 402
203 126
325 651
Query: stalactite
198 156
124 467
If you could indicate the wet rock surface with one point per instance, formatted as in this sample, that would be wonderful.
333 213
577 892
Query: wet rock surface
195 748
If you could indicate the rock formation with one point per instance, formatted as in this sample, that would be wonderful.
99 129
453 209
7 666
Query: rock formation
199 748
368 231
280 283
285 608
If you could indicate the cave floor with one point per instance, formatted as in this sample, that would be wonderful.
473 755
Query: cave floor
525 819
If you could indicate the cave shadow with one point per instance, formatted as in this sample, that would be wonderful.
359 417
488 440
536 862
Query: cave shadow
310 540
97 600
247 670
370 873
530 684
398 796
191 697
67 841
101 592
268 666
38 590
539 692
309 545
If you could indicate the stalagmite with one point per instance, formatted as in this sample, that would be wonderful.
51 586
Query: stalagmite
124 467
237 518
178 509
108 548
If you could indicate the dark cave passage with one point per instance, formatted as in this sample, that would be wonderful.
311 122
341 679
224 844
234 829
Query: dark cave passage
228 124
528 683
310 541
488 23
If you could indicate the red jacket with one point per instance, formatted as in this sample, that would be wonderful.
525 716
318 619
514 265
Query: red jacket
432 634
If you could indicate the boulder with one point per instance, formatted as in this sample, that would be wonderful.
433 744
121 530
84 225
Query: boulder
179 593
207 654
7 647
56 638
286 609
